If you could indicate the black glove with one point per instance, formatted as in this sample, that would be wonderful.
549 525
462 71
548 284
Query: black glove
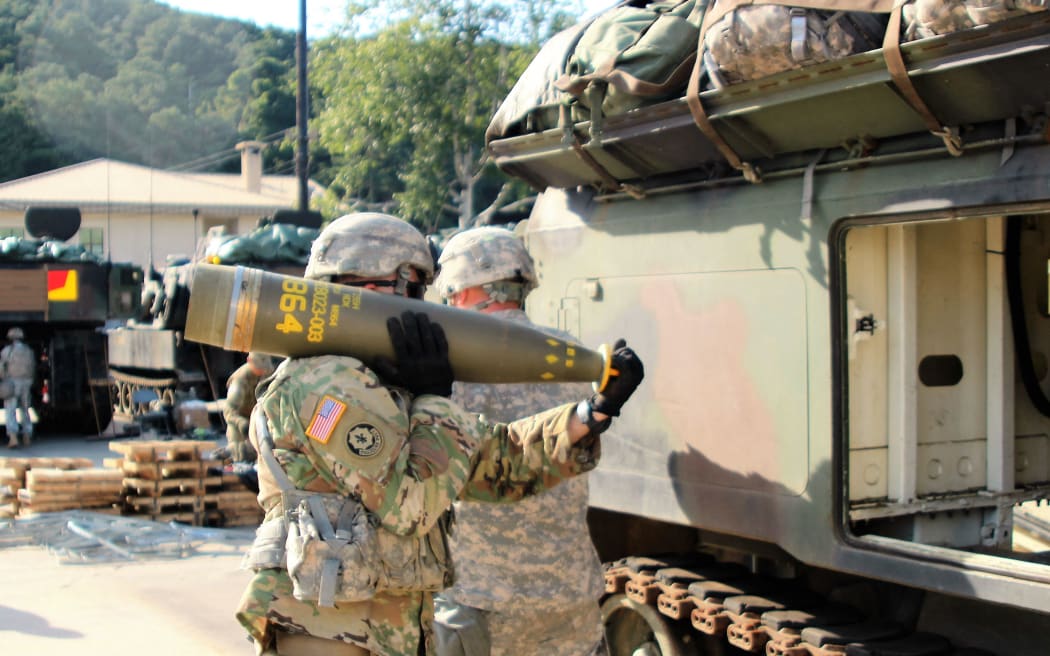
620 385
421 353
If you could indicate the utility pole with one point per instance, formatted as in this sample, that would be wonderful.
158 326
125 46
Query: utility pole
302 161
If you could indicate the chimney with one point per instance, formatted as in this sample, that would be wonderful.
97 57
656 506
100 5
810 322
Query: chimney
251 165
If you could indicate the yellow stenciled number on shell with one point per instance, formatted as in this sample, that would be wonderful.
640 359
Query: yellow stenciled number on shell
292 300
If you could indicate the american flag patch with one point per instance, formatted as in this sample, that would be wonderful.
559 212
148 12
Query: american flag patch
325 418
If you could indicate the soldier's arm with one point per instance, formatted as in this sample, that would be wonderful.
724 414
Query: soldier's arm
451 453
531 455
235 398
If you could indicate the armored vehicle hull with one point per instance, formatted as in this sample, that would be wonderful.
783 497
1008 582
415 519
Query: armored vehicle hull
151 353
846 366
63 298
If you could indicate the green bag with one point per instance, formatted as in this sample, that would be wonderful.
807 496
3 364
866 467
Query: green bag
634 54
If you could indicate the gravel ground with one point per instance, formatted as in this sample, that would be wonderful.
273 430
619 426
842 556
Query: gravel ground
174 606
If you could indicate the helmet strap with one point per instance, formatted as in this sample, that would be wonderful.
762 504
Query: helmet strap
502 291
405 286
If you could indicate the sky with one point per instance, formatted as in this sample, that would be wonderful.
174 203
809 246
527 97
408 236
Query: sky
321 15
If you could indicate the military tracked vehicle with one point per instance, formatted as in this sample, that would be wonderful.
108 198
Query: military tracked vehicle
63 297
842 443
149 352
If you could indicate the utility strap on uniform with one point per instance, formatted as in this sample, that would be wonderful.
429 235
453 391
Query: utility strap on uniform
266 453
329 581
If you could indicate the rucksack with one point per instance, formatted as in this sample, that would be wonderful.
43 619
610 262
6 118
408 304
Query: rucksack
926 18
755 40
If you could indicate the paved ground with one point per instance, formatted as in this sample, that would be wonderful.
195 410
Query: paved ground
158 607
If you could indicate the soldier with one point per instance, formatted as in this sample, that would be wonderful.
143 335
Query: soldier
528 577
240 400
368 463
18 365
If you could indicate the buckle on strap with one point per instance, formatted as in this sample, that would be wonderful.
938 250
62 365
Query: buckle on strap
798 34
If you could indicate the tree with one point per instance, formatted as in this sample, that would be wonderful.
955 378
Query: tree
137 81
403 110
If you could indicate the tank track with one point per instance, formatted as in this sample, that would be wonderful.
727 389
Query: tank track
688 604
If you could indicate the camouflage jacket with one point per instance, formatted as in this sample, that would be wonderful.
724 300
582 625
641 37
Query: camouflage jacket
17 361
537 552
336 428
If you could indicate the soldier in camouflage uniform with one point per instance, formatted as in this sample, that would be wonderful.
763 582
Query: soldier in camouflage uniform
18 366
528 577
365 464
240 401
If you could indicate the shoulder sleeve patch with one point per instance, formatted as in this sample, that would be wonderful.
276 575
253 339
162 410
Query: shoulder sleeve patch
325 418
364 442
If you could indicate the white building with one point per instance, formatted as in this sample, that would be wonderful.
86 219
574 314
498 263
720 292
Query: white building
133 213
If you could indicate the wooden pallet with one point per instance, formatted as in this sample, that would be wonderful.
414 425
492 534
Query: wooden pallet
151 487
47 463
52 490
162 450
169 480
239 505
166 469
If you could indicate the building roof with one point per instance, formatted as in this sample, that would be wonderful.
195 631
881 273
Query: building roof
113 186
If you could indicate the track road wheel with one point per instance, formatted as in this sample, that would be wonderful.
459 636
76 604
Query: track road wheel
633 629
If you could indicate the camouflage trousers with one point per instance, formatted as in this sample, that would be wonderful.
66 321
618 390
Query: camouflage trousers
387 625
573 629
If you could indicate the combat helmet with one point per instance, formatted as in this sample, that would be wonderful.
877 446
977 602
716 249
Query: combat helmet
15 333
490 257
369 244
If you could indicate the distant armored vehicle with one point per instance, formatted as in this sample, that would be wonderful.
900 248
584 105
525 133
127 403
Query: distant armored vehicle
62 297
843 437
149 353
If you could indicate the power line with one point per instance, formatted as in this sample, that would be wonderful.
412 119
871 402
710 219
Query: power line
224 155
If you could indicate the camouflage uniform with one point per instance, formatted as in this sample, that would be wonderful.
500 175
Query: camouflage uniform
18 365
529 567
427 452
240 400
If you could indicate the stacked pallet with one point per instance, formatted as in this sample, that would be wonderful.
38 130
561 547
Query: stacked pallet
238 504
11 478
170 480
13 484
53 490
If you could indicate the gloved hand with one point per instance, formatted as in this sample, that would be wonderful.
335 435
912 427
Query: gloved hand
621 385
421 356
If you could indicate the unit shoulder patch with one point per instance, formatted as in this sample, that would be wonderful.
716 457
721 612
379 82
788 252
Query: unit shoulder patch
364 440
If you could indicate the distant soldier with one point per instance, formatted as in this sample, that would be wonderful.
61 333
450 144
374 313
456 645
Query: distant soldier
18 365
528 577
240 401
